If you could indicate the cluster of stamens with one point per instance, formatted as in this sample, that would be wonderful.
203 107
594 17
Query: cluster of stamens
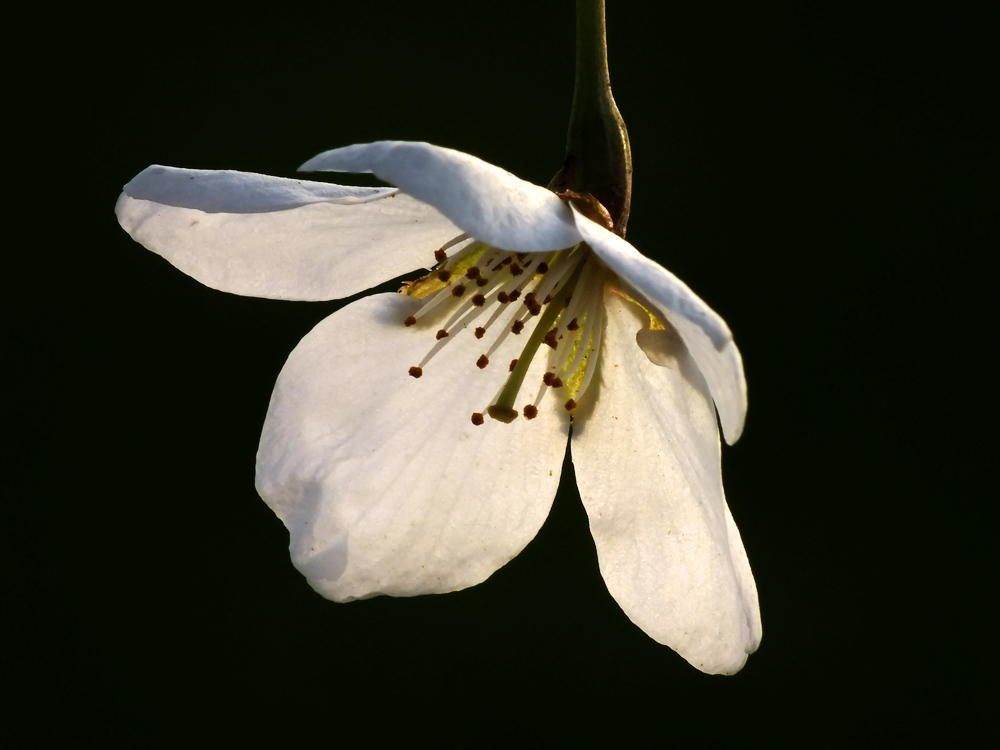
553 296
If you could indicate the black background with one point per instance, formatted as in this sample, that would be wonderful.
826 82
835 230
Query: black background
823 174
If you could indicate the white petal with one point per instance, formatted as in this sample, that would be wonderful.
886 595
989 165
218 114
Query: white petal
648 467
487 202
703 330
266 236
383 481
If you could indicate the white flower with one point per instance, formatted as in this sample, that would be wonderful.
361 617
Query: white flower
379 452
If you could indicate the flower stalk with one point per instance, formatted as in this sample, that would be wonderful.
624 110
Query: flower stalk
598 156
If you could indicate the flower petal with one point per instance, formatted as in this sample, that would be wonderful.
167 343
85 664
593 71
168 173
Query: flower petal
385 484
648 466
487 202
266 236
706 334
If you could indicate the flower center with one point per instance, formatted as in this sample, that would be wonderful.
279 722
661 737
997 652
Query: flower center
553 298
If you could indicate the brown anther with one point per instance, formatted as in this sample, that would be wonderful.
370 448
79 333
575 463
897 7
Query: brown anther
513 364
482 362
458 290
530 411
473 272
556 383
529 298
477 418
570 405
416 372
442 334
443 276
480 332
522 256
482 281
515 294
533 307
542 267
548 377
440 256
515 270
479 300
550 338
507 261
547 300
517 327
503 298
410 320
572 325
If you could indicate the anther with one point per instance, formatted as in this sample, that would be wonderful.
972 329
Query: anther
573 325
517 327
542 267
441 334
570 405
440 256
410 320
480 332
515 270
443 276
514 295
530 412
473 272
513 364
552 380
416 372
479 300
477 418
482 281
550 338
482 362
503 298
458 290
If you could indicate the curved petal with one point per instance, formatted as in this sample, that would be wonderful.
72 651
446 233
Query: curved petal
263 236
383 481
706 334
648 467
487 202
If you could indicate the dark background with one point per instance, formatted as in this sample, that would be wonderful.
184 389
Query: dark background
823 174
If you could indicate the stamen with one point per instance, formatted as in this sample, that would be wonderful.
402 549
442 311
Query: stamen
480 332
416 372
477 418
505 400
482 362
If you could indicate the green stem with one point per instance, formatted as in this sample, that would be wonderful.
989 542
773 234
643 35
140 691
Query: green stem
598 157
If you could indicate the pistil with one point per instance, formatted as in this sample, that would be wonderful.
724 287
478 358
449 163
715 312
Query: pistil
553 293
